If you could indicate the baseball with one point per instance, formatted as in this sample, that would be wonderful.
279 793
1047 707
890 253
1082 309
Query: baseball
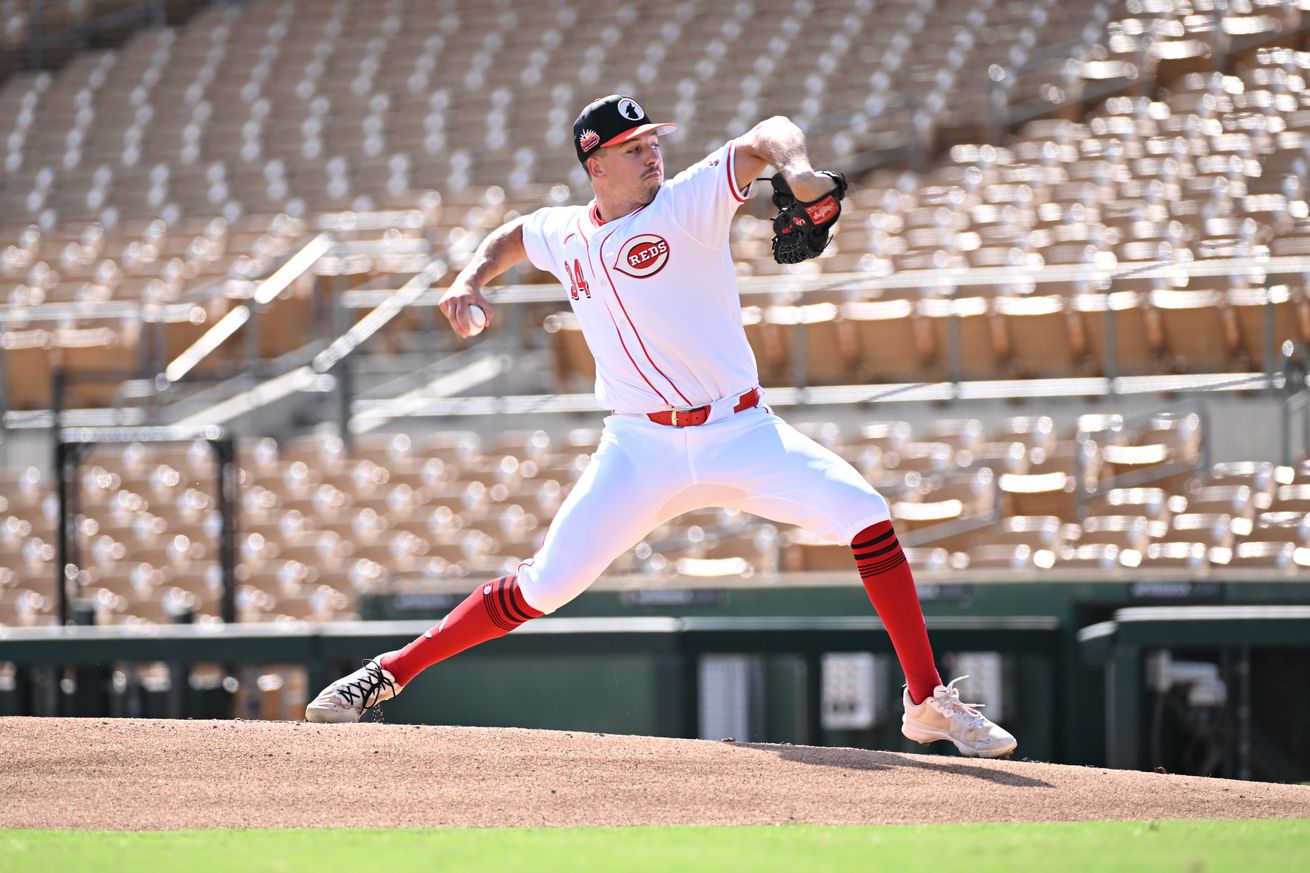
477 320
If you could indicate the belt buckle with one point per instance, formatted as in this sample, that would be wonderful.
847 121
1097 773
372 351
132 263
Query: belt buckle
684 411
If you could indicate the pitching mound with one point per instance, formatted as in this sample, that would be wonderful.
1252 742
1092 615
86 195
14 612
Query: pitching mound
139 774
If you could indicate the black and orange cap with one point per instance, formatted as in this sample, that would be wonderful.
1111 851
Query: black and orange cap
610 121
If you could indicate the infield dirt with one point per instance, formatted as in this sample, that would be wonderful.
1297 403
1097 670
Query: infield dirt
142 774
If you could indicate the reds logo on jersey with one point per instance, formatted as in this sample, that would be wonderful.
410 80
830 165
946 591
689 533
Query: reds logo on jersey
642 256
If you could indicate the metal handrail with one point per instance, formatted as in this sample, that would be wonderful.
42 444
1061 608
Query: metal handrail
1095 276
1295 359
153 12
265 292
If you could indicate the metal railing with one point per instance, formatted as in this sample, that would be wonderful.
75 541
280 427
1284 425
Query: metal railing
1098 277
153 13
264 293
297 372
1296 400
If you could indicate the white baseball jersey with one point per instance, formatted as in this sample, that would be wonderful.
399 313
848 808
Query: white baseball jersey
655 291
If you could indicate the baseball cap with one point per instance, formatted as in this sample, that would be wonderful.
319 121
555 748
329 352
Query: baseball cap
610 121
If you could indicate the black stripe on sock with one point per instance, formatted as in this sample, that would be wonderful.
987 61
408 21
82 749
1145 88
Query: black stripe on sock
862 556
873 542
514 610
491 601
882 566
506 603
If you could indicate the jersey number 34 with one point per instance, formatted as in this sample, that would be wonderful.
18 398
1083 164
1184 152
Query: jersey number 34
576 281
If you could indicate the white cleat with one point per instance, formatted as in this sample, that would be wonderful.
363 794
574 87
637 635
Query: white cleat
944 717
348 698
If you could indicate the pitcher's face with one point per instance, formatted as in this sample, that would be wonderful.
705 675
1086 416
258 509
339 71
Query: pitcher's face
633 169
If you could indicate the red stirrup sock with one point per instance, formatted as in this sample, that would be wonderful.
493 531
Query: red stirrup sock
890 586
493 610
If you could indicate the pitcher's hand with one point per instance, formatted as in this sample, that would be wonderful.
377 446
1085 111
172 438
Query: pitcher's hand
455 305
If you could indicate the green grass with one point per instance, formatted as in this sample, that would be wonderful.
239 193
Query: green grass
1174 846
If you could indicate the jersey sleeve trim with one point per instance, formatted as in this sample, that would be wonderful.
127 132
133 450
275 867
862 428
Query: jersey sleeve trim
730 163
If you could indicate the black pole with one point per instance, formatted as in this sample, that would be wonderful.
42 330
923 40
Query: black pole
225 455
66 534
62 451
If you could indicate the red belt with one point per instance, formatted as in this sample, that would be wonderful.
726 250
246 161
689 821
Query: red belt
701 414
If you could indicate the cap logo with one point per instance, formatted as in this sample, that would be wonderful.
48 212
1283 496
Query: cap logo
588 140
631 109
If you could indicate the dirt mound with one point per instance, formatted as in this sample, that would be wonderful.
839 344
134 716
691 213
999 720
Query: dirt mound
138 774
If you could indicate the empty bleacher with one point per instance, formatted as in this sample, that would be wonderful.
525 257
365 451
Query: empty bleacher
321 525
1151 223
144 187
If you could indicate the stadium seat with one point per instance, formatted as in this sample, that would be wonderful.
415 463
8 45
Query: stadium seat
1198 331
970 335
1136 340
1125 531
1045 340
1039 494
803 552
29 367
1287 526
1215 531
1255 308
1096 556
894 344
1292 498
1175 555
1008 557
829 345
1237 501
1281 555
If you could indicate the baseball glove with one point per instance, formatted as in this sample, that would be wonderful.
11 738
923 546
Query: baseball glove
800 229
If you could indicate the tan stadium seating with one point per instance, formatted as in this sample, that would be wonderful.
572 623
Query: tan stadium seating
894 344
160 168
1292 498
1044 337
149 552
1125 531
1289 526
1136 340
29 359
1175 555
1152 504
1198 332
830 350
1039 494
1250 307
981 340
1281 555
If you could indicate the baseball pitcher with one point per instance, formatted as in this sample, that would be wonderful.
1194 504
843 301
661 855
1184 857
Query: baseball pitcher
647 269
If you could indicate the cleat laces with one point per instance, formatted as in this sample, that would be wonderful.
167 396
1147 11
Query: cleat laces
367 687
952 706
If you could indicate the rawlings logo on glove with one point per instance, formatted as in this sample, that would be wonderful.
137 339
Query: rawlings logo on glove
800 229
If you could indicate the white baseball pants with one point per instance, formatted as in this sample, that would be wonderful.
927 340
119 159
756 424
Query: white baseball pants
643 474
